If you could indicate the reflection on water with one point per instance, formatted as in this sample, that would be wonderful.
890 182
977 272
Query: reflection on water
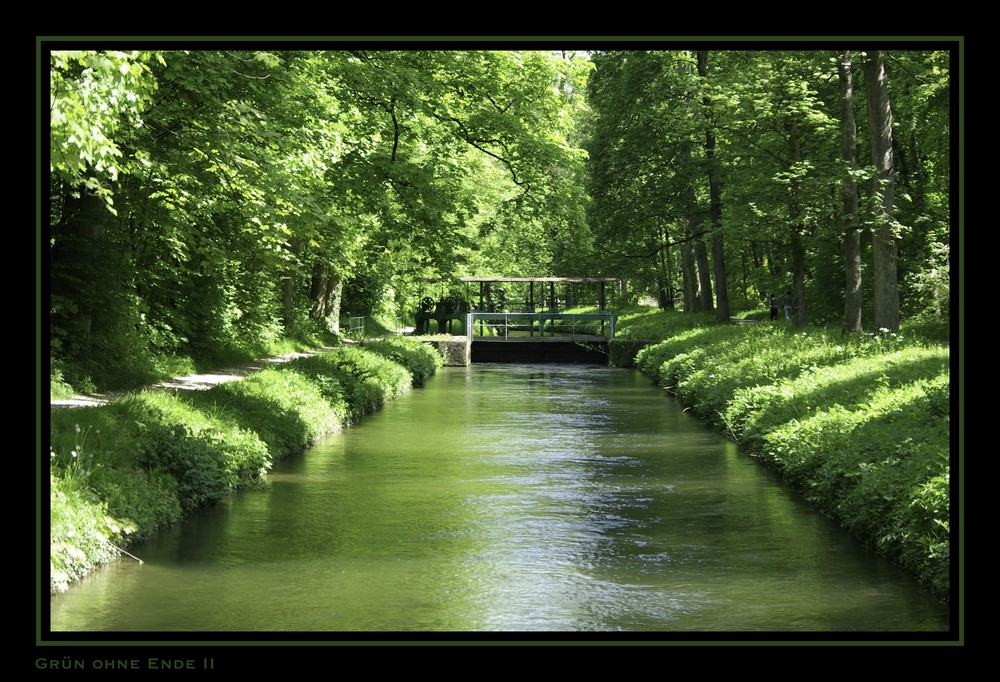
510 498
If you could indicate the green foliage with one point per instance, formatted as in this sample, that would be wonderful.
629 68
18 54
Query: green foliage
931 285
653 324
420 359
303 333
208 457
928 546
882 468
363 379
81 531
247 182
365 295
929 327
58 388
773 116
641 147
147 500
95 328
622 351
235 316
93 96
285 409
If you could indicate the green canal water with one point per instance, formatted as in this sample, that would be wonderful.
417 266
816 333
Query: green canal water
529 498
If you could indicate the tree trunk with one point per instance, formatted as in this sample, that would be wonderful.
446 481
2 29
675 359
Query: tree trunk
852 226
689 273
745 275
334 295
884 237
796 245
288 299
799 278
288 284
719 263
697 279
325 294
661 289
704 272
689 265
665 284
701 285
715 205
80 262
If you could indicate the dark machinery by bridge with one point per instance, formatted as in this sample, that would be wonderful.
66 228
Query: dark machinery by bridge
424 316
449 313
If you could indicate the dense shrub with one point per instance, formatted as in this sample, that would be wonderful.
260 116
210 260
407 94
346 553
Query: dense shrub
81 532
207 456
366 379
622 351
146 500
420 359
283 408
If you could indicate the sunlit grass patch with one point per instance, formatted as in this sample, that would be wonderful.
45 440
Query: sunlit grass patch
364 379
420 359
284 408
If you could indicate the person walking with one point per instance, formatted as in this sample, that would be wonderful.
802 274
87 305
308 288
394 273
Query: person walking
774 307
788 305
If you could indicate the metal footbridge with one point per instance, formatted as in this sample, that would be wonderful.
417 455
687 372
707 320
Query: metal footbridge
527 327
526 318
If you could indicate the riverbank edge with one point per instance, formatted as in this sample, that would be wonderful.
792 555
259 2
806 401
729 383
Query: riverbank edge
199 446
887 481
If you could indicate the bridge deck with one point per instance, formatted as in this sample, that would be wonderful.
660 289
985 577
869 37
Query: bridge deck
523 338
539 327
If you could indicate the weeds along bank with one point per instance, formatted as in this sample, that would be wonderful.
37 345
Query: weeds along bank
121 472
859 425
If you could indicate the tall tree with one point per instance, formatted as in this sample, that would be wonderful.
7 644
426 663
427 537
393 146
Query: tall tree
694 224
255 189
774 137
715 194
921 108
781 151
649 212
96 102
884 236
852 225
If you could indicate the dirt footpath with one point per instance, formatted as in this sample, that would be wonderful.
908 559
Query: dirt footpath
194 382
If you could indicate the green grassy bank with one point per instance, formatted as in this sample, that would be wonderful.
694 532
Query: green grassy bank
860 425
121 472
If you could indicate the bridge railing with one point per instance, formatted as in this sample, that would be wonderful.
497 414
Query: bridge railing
542 324
352 326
